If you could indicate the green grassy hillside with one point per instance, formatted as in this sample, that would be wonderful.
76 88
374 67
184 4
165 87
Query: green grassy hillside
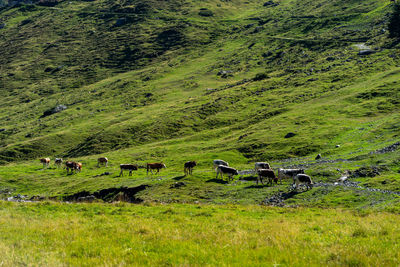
189 80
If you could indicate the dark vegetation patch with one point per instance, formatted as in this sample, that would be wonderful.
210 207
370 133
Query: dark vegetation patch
125 194
204 12
368 171
170 38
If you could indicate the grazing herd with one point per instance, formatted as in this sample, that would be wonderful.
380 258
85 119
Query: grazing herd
262 169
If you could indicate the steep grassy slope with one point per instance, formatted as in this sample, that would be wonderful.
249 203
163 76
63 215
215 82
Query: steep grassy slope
277 60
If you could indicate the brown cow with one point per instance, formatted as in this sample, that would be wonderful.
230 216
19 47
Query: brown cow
128 167
102 161
73 166
154 166
267 173
45 161
78 166
70 165
188 167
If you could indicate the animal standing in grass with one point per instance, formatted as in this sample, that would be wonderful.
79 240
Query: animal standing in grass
45 162
102 161
288 173
155 166
73 166
229 171
302 179
58 162
188 167
218 162
78 166
261 165
127 167
266 173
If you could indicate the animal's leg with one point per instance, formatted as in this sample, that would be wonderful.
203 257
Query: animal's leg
121 173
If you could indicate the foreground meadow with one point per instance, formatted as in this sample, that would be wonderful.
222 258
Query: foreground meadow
59 234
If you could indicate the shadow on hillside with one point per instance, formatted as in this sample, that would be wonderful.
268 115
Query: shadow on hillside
257 186
290 194
177 178
219 181
249 178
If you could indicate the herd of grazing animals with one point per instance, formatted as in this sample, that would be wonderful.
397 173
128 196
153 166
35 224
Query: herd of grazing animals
261 169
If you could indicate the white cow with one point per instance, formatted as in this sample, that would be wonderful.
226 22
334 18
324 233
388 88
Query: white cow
261 165
302 178
288 173
217 162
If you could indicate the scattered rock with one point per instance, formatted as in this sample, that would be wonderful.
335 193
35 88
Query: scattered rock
366 52
2 25
387 149
289 135
147 95
2 130
337 146
224 73
318 156
54 110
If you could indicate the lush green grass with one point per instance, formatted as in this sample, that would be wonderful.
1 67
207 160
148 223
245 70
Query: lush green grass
92 234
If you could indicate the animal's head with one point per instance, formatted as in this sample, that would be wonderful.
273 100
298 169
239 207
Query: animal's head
302 171
163 166
194 163
236 172
276 180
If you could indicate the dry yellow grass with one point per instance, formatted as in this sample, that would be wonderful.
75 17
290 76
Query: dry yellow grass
55 234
